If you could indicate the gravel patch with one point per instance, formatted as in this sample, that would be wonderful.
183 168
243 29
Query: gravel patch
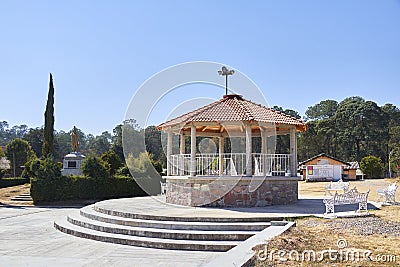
361 226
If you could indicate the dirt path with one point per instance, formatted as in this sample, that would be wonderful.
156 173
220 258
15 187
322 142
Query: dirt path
6 194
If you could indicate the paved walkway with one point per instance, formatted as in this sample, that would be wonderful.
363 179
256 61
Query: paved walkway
28 237
156 206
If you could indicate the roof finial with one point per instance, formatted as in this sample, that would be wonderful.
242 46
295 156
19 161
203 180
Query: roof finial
225 72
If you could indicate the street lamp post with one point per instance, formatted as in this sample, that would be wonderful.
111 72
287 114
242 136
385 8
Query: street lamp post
390 170
225 72
14 162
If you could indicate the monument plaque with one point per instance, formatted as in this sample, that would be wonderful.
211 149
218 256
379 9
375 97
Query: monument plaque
72 162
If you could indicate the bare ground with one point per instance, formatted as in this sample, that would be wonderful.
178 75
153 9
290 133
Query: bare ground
317 188
368 241
7 193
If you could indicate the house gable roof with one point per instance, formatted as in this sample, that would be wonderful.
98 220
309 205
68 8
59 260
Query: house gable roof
324 155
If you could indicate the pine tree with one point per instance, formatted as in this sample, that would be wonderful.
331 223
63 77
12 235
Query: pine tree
48 131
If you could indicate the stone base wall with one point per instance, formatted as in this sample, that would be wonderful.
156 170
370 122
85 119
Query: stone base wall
67 172
232 192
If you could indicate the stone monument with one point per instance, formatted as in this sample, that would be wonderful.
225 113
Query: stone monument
72 162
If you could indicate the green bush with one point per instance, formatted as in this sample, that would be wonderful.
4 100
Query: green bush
7 182
31 168
19 152
113 161
2 173
158 166
124 171
372 166
95 167
80 187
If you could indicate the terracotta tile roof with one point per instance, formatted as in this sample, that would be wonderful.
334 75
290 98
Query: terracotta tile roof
234 108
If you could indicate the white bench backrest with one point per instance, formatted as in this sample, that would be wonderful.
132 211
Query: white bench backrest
350 197
391 188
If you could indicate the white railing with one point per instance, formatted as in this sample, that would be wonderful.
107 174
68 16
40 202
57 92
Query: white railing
233 164
180 164
271 164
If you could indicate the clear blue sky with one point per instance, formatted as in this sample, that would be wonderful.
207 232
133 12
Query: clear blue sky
100 52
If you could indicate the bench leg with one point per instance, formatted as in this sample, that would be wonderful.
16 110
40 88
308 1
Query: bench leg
329 191
329 209
390 198
363 206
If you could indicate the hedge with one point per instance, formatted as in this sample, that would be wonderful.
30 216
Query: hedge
7 182
81 187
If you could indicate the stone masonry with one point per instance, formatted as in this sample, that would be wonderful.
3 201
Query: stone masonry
232 191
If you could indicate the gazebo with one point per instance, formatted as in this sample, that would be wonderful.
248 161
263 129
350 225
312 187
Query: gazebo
233 178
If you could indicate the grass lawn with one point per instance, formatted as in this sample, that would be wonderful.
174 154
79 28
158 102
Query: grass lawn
377 237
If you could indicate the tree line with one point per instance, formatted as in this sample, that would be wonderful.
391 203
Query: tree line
27 142
352 130
349 130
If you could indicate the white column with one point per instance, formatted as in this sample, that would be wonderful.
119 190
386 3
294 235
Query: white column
192 150
182 144
249 162
264 150
182 158
221 155
293 152
169 152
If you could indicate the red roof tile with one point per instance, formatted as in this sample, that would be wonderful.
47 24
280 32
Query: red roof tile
234 108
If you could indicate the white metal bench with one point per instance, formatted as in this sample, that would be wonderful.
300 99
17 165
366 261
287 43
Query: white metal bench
163 188
335 186
389 193
350 197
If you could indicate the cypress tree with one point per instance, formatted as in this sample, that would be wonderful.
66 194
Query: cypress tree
48 131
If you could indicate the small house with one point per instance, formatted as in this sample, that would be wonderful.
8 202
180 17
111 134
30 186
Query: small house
326 168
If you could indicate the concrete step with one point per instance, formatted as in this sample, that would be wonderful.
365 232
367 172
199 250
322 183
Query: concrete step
22 197
210 235
90 213
143 216
200 245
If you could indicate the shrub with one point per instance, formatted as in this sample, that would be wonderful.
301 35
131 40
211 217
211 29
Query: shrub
95 167
48 169
49 183
7 182
124 171
31 168
2 173
19 151
81 187
371 166
113 161
158 166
